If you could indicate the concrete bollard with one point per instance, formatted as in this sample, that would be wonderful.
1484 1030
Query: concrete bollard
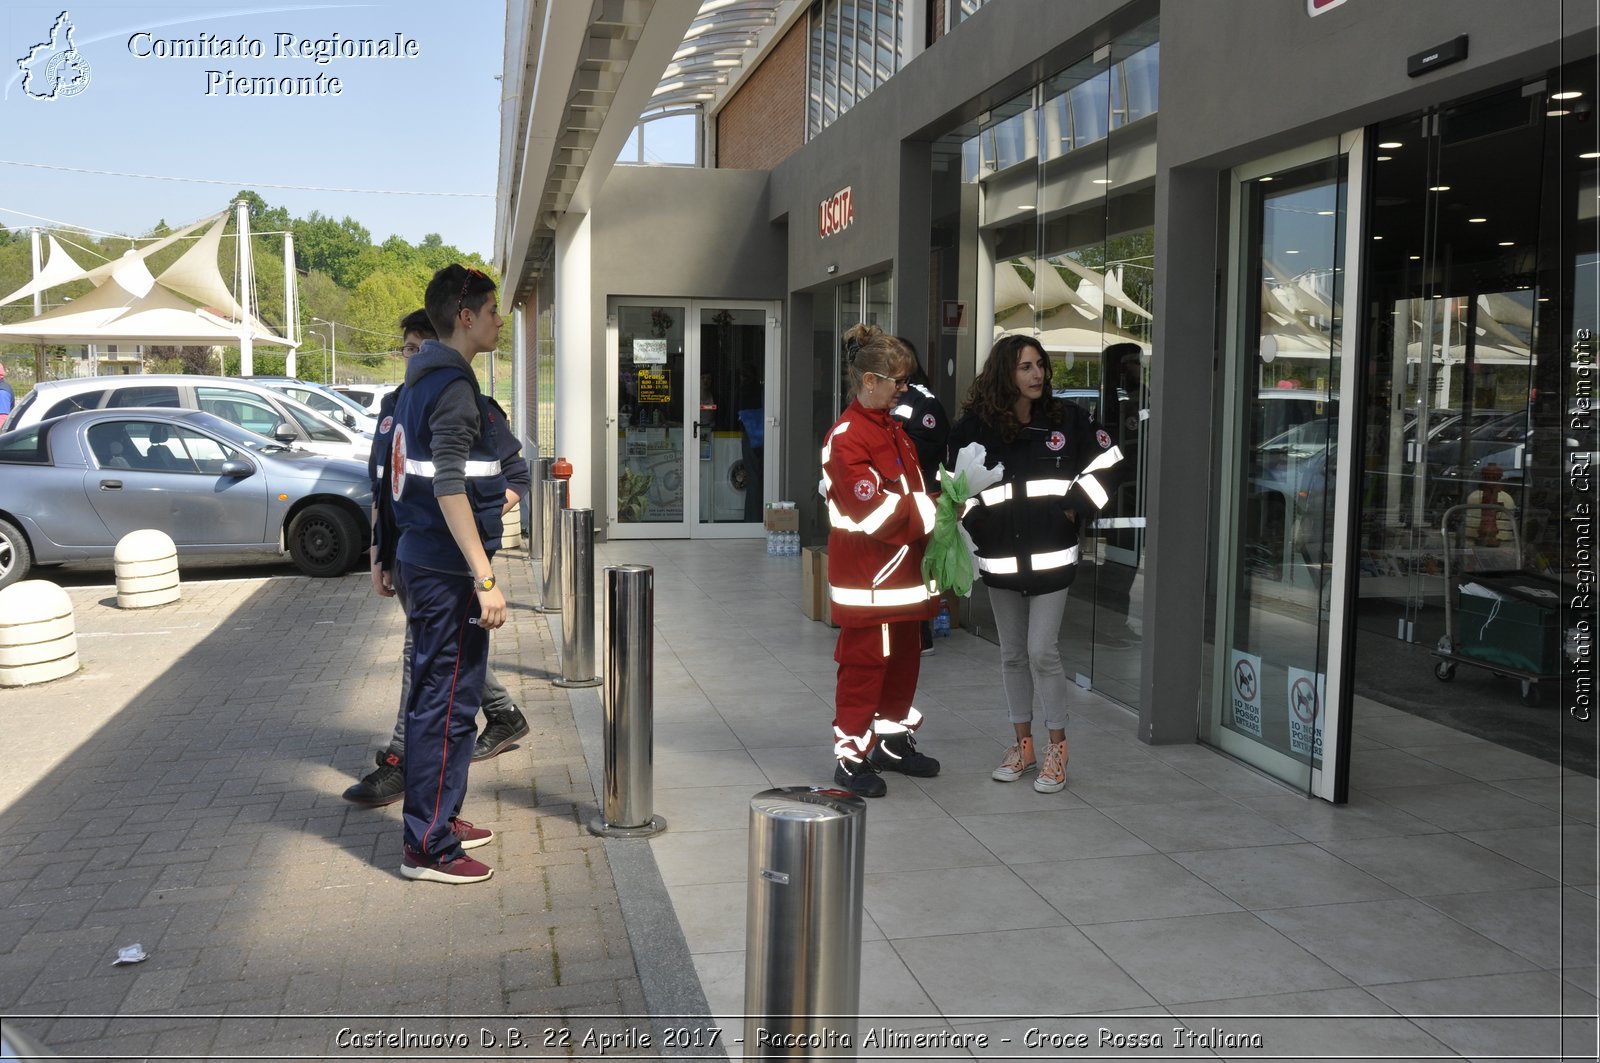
38 634
146 563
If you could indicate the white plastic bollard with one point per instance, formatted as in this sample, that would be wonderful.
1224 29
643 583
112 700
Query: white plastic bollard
147 569
38 634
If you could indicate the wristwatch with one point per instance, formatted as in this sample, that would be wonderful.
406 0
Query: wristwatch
486 583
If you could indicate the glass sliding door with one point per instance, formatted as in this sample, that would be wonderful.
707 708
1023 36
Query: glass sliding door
1280 607
693 387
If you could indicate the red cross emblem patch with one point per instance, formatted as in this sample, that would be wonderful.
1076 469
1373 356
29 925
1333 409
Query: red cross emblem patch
865 489
929 421
397 463
1056 441
388 423
1103 438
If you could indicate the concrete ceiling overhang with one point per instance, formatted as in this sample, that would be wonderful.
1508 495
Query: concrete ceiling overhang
584 72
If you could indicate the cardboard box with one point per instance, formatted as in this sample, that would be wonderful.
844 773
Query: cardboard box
813 581
782 520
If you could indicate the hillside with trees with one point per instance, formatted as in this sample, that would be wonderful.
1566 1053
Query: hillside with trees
343 276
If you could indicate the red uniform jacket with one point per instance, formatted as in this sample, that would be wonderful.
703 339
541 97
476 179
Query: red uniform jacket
881 516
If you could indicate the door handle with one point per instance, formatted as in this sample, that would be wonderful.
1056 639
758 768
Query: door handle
110 485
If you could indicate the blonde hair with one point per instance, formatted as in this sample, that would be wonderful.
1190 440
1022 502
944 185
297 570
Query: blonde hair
871 350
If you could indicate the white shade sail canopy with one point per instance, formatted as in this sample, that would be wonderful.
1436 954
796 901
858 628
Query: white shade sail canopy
129 305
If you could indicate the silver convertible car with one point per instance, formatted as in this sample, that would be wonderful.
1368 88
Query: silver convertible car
72 486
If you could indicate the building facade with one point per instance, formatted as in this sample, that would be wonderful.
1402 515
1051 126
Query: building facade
1325 268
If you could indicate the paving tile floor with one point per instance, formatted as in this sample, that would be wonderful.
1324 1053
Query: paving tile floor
1166 888
183 791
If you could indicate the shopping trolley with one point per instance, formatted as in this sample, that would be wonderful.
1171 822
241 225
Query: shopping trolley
1496 616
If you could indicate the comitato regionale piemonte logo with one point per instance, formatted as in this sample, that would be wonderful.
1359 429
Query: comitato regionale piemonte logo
54 68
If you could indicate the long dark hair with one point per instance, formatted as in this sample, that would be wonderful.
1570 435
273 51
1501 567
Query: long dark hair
993 394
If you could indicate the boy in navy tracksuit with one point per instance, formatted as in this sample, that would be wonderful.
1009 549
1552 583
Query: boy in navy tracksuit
447 489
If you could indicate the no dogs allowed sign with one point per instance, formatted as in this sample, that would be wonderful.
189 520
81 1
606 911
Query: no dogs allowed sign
1306 692
1244 688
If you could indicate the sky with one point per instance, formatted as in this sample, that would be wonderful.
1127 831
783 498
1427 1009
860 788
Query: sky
428 122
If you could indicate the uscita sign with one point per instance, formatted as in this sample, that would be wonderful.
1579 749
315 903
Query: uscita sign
836 213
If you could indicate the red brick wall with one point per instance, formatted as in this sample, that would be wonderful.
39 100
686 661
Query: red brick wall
764 122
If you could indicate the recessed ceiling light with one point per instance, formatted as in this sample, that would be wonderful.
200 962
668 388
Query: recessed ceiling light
1477 221
1024 206
1416 258
1385 158
1266 179
1377 238
1438 188
1102 180
1544 298
1291 252
1508 243
1571 95
1389 145
1557 112
1324 213
1590 155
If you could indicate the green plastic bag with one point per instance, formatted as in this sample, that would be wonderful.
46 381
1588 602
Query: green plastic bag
949 563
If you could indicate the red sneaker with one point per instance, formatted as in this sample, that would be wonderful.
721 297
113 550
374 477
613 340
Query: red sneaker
469 836
461 870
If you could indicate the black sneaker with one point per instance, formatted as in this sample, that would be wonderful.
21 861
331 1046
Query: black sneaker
860 778
499 731
899 753
383 786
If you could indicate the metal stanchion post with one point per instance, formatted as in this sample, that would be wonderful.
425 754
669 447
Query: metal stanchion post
802 964
541 473
630 705
577 599
552 500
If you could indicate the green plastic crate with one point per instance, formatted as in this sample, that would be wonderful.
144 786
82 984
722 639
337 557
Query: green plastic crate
1519 634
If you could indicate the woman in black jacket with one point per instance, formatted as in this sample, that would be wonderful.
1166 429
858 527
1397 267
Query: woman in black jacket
1025 529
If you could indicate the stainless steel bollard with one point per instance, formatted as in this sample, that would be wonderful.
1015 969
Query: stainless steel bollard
802 960
577 599
541 473
630 705
552 500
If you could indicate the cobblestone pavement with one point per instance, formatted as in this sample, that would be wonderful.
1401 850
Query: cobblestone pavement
183 792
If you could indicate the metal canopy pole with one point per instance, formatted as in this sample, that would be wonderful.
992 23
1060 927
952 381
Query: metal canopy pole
629 704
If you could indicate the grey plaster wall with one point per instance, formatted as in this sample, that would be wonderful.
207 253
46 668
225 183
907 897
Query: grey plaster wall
1244 78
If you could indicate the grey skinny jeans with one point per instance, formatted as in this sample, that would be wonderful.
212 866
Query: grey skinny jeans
1030 654
496 698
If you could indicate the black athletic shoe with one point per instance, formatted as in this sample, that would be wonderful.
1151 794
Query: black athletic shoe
499 731
899 753
383 786
860 778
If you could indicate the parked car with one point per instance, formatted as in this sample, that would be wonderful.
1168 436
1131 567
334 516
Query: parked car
323 399
251 406
72 486
370 396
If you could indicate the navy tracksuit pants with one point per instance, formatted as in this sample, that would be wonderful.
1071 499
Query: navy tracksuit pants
449 658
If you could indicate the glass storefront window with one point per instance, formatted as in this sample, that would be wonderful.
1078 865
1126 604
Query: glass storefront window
855 46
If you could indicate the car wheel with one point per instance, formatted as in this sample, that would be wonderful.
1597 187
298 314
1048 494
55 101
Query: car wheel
324 540
15 557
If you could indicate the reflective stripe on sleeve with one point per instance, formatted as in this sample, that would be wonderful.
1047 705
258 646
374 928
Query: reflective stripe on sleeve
1104 460
926 510
1092 488
903 410
1000 566
889 597
474 468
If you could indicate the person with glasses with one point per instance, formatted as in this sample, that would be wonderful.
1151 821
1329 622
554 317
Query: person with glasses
1026 531
503 721
881 516
447 486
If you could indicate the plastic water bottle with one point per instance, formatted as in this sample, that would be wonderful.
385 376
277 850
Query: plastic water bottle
941 623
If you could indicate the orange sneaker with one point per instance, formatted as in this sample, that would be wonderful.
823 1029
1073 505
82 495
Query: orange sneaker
1053 776
1019 760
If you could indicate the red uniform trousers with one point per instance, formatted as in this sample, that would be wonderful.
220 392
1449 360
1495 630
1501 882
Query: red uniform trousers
878 669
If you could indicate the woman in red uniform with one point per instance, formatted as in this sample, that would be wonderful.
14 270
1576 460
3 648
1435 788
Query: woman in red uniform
881 516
